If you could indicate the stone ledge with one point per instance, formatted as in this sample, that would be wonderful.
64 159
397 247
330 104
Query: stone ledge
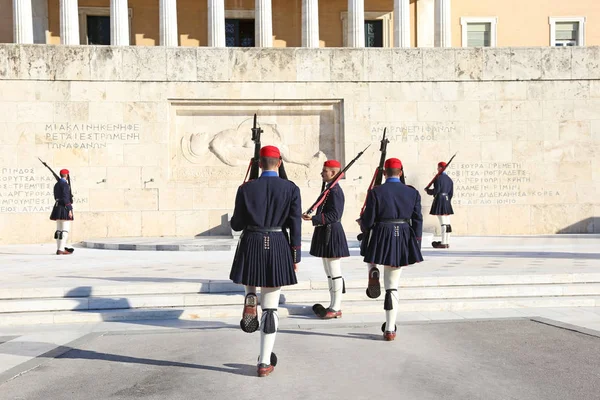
204 64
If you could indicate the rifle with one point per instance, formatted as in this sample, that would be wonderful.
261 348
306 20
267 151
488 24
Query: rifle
441 172
253 168
334 181
378 176
58 178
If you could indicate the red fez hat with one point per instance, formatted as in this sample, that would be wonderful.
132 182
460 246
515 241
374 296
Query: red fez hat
392 163
270 152
332 164
442 164
64 172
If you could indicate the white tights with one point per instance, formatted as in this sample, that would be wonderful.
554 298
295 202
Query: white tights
62 226
269 300
444 220
333 269
391 280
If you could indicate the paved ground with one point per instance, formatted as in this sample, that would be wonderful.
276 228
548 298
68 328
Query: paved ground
508 359
36 266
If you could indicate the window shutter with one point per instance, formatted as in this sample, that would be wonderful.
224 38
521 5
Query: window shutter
479 34
567 30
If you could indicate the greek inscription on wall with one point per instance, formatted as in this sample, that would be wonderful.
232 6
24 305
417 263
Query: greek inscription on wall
87 135
413 132
494 183
24 190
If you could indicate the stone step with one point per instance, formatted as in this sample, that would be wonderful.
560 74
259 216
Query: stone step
291 297
225 286
352 307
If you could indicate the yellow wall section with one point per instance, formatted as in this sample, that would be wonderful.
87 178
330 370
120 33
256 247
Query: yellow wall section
525 23
520 22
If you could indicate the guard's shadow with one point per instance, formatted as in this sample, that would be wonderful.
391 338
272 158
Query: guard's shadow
66 352
361 336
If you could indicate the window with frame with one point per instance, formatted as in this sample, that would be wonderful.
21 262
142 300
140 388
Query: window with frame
374 33
567 31
239 32
479 31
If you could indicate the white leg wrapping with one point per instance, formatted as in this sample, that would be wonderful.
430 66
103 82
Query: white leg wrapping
443 230
391 280
66 226
269 300
447 222
327 269
59 227
249 289
335 266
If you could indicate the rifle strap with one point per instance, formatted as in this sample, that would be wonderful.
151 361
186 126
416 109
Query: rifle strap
248 170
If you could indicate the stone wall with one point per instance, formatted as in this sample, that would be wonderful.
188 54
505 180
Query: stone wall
158 139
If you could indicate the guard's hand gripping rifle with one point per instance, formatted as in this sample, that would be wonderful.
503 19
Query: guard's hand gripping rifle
334 182
253 168
57 177
440 172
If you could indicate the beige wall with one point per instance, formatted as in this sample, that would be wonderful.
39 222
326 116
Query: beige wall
525 22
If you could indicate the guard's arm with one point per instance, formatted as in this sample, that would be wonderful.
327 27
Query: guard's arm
294 222
66 196
368 218
238 219
417 217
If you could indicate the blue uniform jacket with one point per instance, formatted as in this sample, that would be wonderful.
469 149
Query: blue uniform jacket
331 209
270 202
393 200
442 184
62 194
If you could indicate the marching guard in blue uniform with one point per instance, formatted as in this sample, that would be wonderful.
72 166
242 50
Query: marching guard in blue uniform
393 217
329 241
62 213
266 256
442 192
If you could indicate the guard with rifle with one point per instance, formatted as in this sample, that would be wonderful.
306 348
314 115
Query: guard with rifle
329 240
267 256
62 212
392 217
442 192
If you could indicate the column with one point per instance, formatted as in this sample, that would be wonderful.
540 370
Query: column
40 21
216 23
119 23
167 14
69 22
425 23
401 23
356 23
443 37
22 21
310 23
263 25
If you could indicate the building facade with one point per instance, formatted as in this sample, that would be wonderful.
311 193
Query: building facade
302 23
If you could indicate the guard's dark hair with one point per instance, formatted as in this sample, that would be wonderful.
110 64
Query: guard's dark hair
269 162
393 171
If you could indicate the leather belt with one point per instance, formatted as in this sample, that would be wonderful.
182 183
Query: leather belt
254 228
442 194
393 221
